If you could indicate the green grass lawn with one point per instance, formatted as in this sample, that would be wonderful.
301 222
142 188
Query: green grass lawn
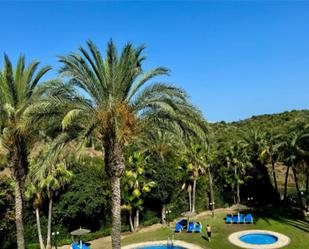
275 220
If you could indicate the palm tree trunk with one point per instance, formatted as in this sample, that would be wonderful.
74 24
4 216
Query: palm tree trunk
237 193
50 207
274 175
190 202
19 164
116 213
193 195
136 220
38 223
114 166
19 185
163 214
297 188
211 192
131 221
286 183
307 186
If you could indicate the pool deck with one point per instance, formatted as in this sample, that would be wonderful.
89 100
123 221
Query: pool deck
162 242
281 242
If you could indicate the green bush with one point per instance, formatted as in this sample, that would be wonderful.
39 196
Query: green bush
33 246
150 218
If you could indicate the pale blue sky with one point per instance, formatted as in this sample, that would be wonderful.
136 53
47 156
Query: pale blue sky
235 59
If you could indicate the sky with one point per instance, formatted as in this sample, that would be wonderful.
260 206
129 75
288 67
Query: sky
234 59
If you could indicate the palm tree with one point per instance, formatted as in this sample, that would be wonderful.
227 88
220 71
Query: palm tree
238 162
52 173
271 153
35 194
293 157
18 90
196 164
120 106
264 190
136 186
162 147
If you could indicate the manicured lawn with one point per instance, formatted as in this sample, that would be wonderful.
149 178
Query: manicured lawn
275 220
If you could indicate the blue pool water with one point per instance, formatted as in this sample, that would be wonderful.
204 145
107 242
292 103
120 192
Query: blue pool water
258 239
160 247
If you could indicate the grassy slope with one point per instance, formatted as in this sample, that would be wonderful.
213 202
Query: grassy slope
281 222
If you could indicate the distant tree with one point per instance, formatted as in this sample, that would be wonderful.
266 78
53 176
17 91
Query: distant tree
137 185
293 158
52 173
236 166
162 147
34 194
259 184
7 213
271 153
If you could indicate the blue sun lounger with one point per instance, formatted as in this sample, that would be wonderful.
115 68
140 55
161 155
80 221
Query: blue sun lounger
235 219
241 219
178 227
76 245
198 228
190 228
248 218
229 219
181 224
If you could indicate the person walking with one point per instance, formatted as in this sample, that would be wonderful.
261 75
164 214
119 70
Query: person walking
208 229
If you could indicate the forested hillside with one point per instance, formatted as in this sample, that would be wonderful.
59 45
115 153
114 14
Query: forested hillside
165 172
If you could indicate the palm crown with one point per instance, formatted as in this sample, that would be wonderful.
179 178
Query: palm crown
18 89
120 103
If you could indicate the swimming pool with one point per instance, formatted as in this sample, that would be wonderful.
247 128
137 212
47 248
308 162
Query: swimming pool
259 238
162 244
160 247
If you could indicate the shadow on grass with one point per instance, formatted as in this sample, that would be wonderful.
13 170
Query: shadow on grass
283 215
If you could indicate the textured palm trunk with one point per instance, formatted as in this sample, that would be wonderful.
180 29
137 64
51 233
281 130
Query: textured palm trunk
19 186
190 202
19 164
297 188
136 220
114 166
211 192
193 195
163 214
38 224
131 221
307 186
50 207
286 183
237 193
116 212
274 175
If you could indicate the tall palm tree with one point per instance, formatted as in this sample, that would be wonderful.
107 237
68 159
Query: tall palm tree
270 154
137 185
196 165
51 173
162 147
264 190
119 104
34 193
294 156
18 90
238 162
